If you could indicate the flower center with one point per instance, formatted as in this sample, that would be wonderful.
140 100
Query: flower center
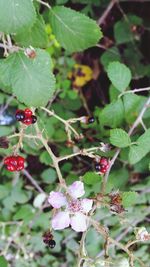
75 205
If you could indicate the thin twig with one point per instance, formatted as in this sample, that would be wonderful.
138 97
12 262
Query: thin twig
44 3
53 157
13 48
140 116
83 152
33 181
68 127
100 229
106 12
135 91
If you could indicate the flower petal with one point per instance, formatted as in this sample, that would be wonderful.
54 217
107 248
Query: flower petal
79 222
57 199
86 204
76 189
61 220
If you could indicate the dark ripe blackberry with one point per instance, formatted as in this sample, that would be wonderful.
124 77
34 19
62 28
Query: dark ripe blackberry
52 243
34 119
20 116
47 236
91 120
97 167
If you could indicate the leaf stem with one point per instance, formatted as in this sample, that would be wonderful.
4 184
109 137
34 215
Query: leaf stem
134 91
44 3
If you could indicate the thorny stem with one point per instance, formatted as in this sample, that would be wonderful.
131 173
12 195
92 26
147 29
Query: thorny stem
100 229
54 158
19 144
13 48
132 243
83 152
68 127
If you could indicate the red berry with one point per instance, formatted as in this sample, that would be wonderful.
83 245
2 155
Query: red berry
27 121
14 163
103 169
11 168
28 112
7 160
103 161
19 168
20 160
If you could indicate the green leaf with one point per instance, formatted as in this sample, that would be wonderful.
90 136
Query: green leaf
110 55
3 262
32 80
25 212
132 105
6 66
45 158
35 36
129 198
91 178
137 152
113 114
119 138
119 75
117 179
16 15
49 176
113 93
73 30
4 191
122 29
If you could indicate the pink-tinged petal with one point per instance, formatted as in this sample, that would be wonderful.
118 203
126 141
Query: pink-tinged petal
86 204
57 199
79 222
76 190
61 220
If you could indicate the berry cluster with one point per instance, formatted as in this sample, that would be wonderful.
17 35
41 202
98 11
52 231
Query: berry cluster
48 239
102 166
14 163
25 116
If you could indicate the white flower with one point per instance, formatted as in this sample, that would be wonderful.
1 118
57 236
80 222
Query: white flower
76 210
